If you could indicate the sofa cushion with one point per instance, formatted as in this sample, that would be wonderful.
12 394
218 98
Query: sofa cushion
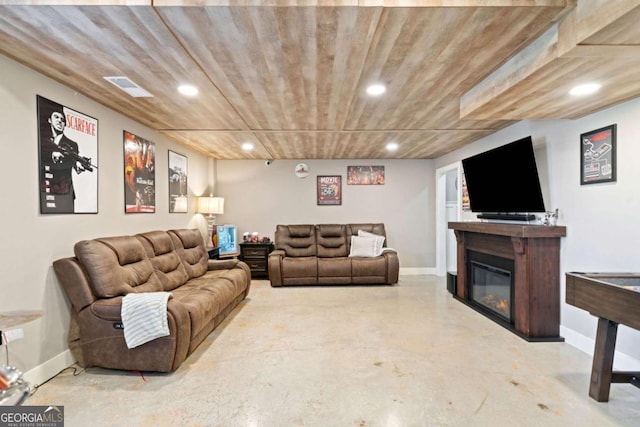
117 266
190 248
297 240
369 270
164 258
334 270
332 240
201 305
206 296
303 230
299 267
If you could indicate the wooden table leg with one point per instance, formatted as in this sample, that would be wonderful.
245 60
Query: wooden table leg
601 371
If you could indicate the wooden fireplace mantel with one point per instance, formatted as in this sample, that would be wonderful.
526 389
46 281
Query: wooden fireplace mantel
535 251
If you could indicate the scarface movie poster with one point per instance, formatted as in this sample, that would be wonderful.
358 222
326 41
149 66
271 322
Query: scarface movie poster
68 154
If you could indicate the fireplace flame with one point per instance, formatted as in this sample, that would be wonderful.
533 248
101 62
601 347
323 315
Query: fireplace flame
492 301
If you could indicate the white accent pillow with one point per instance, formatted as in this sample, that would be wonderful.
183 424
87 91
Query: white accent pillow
379 240
362 246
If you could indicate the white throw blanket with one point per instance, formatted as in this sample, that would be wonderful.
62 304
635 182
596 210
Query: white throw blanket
144 317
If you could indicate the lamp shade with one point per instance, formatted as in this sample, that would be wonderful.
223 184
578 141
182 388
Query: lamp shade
211 205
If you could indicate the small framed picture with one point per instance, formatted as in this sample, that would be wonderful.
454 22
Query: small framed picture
598 156
329 190
365 175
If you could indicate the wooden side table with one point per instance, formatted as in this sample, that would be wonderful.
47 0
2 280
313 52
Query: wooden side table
256 255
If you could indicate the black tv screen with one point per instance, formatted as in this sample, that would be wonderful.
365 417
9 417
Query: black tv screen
504 180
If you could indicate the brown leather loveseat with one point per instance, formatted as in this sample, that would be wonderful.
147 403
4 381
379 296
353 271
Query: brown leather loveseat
325 254
104 270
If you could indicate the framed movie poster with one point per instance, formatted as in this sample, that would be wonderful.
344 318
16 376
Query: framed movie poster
68 157
329 189
139 174
177 182
365 175
598 156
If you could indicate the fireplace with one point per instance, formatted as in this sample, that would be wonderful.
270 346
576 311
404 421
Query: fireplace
516 271
491 284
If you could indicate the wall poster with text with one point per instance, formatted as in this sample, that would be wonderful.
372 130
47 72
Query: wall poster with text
68 154
329 190
177 182
598 155
139 174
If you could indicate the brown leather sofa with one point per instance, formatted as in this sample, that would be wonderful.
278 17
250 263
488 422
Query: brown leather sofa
104 270
308 254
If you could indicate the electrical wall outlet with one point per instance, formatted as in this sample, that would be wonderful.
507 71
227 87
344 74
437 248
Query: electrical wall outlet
12 335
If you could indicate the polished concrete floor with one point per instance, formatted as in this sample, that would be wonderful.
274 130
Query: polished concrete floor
363 356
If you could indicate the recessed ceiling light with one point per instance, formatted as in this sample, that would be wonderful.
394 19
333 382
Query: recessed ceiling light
392 146
247 146
586 89
188 90
376 89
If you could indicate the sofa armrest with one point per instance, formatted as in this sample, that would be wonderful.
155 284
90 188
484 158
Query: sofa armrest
393 265
108 309
231 264
222 264
75 282
275 266
277 253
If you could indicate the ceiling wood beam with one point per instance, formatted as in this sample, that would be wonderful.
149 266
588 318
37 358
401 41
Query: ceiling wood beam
559 46
594 15
77 3
370 3
528 61
586 51
304 3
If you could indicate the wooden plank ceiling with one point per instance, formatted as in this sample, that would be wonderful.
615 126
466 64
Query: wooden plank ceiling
290 75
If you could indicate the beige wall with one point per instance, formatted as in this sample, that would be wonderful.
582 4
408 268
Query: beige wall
31 241
258 197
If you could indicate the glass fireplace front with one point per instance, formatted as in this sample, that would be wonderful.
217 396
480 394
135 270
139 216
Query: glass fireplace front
491 284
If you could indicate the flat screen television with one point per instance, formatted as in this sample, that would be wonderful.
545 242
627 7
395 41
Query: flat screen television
503 183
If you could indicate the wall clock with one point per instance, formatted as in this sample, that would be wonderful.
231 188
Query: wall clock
302 170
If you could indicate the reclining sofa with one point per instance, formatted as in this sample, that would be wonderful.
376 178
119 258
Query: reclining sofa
325 254
104 270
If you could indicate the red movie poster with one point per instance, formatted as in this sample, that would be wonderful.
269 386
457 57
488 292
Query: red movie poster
329 190
139 174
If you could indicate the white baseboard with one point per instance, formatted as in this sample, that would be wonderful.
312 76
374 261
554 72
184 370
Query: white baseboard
416 271
49 369
620 360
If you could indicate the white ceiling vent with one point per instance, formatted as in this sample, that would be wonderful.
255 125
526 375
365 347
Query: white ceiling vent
128 86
